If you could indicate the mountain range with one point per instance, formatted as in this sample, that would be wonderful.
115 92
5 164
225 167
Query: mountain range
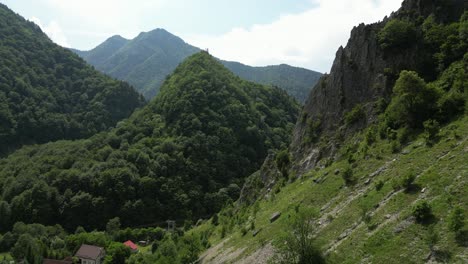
146 60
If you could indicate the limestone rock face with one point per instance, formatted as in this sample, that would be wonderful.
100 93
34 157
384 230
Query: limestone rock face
362 73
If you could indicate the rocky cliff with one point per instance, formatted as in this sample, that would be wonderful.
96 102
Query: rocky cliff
362 73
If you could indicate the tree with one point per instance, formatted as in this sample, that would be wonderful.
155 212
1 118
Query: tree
422 211
298 247
117 253
396 34
113 225
413 102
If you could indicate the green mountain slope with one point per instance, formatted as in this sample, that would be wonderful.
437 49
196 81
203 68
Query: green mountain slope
181 157
383 177
146 60
48 93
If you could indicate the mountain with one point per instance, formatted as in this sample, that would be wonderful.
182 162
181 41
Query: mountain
376 171
146 60
297 82
182 156
48 93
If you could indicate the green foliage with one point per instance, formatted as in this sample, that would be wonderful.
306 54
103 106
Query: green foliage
113 225
407 180
313 130
422 211
456 219
299 246
116 253
348 175
413 102
397 34
182 156
356 114
431 131
283 161
47 93
379 184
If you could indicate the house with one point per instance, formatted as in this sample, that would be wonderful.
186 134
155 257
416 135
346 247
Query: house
88 254
131 245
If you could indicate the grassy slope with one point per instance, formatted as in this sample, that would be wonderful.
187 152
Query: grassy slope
442 170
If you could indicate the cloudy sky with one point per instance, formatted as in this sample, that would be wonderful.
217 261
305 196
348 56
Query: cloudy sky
304 33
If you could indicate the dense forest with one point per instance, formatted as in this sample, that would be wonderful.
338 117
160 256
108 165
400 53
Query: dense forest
147 59
48 93
183 156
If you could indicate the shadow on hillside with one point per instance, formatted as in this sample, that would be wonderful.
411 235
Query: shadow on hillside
442 255
413 188
462 238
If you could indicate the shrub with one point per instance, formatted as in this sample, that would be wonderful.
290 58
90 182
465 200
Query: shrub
348 176
379 185
298 246
431 131
422 211
356 114
407 180
283 161
371 135
456 219
396 34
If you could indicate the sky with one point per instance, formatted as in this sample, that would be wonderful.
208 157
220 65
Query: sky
303 33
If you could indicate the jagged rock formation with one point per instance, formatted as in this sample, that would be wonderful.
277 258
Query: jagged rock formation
361 74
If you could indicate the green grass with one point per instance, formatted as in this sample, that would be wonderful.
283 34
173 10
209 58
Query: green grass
441 169
5 256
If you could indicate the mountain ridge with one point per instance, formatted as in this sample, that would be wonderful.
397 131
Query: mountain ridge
158 52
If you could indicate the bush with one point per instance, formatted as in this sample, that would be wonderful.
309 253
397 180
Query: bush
356 114
431 131
283 161
422 211
379 185
397 34
456 219
348 176
299 245
407 180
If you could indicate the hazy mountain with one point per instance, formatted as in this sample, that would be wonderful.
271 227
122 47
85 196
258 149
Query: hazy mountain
146 60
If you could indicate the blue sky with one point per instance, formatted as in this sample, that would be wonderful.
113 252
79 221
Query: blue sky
303 33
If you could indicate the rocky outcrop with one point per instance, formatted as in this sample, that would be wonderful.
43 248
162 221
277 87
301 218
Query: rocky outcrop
361 74
261 182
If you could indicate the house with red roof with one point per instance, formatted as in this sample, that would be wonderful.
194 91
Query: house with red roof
131 245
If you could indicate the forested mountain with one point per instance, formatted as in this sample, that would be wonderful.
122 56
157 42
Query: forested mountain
297 82
146 60
183 156
48 93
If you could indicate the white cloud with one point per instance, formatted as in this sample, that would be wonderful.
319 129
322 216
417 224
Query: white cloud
53 30
308 39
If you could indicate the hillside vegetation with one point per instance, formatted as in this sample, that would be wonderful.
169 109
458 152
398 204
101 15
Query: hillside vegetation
183 156
48 93
387 183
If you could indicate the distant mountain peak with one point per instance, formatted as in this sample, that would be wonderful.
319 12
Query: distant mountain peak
146 60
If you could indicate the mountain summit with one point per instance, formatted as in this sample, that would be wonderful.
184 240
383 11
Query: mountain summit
146 60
